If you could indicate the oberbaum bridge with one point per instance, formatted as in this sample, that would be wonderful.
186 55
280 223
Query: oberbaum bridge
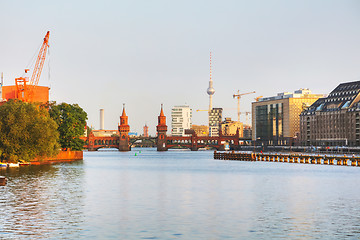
163 142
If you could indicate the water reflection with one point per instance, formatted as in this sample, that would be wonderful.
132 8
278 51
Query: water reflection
180 195
40 201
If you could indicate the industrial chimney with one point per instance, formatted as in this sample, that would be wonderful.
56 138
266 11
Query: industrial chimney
102 119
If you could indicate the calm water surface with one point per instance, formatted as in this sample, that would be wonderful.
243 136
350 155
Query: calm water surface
179 195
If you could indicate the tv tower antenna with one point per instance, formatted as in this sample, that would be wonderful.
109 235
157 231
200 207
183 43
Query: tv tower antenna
210 89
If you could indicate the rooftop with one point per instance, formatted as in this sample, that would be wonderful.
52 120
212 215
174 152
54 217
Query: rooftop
301 93
344 96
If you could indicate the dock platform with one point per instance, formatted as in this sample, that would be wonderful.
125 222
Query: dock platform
323 159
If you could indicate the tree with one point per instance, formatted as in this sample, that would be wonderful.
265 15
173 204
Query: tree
26 131
71 119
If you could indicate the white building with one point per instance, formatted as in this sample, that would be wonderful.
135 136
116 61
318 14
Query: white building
180 120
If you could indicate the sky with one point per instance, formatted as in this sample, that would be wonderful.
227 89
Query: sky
143 53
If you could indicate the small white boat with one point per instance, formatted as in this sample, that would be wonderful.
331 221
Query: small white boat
13 165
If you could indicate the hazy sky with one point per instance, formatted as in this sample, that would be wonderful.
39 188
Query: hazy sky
144 53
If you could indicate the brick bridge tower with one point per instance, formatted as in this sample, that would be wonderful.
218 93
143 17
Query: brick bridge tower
124 130
161 129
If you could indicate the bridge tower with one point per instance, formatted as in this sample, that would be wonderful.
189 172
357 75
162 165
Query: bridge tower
161 129
124 130
90 140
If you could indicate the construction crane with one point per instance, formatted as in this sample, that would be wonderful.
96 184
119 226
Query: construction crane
257 98
246 117
238 96
24 88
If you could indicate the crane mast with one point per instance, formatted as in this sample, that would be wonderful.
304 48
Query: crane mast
25 89
238 96
40 61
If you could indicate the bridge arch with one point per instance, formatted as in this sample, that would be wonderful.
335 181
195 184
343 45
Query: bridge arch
104 146
179 147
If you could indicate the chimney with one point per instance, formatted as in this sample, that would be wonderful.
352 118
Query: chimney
102 119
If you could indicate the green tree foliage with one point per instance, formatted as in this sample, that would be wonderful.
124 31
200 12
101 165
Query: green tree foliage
71 119
26 131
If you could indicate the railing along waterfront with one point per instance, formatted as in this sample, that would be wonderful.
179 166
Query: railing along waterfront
342 160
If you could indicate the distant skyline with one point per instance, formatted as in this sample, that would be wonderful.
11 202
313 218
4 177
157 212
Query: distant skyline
144 53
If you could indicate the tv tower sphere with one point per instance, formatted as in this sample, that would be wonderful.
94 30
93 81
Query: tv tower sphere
210 90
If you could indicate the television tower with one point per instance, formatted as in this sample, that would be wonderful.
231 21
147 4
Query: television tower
210 89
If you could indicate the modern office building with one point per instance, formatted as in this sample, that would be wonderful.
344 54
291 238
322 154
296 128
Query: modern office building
333 120
215 118
180 120
276 120
229 127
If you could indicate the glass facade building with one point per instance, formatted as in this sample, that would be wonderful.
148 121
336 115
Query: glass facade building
276 120
269 122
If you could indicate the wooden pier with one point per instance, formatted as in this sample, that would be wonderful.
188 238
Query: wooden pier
342 160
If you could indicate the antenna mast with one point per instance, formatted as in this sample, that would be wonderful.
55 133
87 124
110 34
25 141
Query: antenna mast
210 90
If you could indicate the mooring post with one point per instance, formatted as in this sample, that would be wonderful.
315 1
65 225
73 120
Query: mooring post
3 181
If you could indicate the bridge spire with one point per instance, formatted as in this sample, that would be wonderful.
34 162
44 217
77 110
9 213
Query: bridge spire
162 112
161 129
123 112
162 118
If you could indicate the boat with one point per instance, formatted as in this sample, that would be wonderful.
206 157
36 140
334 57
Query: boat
13 165
24 163
3 164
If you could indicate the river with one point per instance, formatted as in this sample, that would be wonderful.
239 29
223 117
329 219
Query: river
145 194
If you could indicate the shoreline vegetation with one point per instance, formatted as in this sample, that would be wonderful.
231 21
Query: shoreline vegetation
40 133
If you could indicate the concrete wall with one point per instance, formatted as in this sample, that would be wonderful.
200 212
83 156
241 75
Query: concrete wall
63 156
41 94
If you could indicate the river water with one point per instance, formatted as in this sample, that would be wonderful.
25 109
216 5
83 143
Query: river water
145 194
